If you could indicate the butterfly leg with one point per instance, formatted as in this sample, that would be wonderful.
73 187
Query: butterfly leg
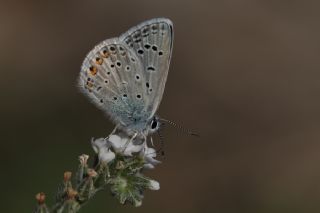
151 140
145 143
113 131
129 141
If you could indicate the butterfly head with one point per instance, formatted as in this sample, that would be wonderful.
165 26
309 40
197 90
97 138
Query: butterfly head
143 127
154 125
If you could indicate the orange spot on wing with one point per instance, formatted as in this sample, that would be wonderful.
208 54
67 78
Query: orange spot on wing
93 70
105 54
99 60
89 84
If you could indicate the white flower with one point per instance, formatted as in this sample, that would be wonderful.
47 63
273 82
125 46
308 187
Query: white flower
98 144
102 148
154 185
149 155
137 203
83 159
123 145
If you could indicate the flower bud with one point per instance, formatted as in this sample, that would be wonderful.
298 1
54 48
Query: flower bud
83 159
40 197
102 148
41 208
149 155
92 173
67 176
154 185
71 193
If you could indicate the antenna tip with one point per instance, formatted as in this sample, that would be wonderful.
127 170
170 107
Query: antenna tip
194 134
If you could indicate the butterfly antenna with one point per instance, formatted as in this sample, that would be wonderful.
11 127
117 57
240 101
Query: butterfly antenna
161 149
180 128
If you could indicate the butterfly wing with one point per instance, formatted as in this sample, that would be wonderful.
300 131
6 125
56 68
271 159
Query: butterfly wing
111 76
152 41
116 76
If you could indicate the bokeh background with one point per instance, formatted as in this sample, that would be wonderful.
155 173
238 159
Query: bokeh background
244 74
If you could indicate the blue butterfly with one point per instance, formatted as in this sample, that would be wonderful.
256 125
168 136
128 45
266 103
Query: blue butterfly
125 76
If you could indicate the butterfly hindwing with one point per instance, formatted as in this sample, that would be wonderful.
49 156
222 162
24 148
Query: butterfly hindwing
112 78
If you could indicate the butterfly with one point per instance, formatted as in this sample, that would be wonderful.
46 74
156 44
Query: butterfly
125 76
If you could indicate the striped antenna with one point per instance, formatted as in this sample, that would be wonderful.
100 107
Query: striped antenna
180 128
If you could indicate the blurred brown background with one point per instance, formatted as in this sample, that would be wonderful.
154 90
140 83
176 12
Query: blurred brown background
244 74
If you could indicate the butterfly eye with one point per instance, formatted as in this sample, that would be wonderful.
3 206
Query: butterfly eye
154 124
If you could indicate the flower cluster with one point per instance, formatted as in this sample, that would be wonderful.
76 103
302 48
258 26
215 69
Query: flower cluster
126 158
119 165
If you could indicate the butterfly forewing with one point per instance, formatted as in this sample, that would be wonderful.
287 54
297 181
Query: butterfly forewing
152 41
123 81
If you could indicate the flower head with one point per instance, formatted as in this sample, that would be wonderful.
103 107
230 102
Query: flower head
40 197
149 155
67 176
102 148
92 173
83 159
71 193
124 145
154 185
